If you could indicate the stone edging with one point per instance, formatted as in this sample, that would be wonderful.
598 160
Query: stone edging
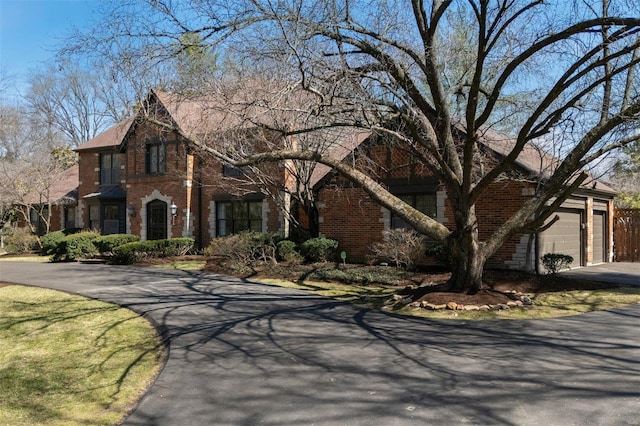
520 301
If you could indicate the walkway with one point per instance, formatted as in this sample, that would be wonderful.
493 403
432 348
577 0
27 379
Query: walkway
243 353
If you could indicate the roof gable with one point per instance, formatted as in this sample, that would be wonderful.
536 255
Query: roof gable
111 137
64 188
534 161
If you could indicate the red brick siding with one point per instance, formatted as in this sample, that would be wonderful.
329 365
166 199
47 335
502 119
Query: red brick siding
139 185
351 218
494 208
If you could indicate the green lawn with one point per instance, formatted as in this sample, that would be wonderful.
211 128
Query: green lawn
68 360
38 259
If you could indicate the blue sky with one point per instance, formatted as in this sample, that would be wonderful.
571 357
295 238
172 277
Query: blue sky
30 30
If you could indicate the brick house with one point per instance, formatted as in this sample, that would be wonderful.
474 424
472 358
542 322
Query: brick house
583 229
147 177
60 197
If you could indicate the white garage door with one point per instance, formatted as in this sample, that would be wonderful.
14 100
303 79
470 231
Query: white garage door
599 221
564 236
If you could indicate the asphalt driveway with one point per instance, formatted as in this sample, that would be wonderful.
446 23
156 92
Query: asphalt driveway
625 273
242 353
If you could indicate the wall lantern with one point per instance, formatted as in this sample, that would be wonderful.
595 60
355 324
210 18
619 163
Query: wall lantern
131 209
174 212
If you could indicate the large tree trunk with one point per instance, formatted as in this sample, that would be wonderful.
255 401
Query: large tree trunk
467 257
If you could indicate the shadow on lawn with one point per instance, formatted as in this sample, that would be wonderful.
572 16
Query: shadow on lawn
71 358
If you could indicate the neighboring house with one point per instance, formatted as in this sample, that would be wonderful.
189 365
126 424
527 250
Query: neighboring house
584 228
136 175
146 177
61 196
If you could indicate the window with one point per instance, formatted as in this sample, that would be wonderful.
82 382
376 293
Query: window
155 159
109 169
232 171
70 217
237 216
38 218
94 217
425 203
111 222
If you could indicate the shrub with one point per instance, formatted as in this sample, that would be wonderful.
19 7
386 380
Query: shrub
245 247
319 249
107 243
555 262
21 240
440 252
401 247
78 246
265 246
49 242
287 252
129 253
138 251
172 247
223 246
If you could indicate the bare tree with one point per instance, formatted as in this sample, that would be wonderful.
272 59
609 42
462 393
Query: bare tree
27 187
69 99
434 78
625 176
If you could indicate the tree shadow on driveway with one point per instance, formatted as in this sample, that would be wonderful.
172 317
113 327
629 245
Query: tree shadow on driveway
249 353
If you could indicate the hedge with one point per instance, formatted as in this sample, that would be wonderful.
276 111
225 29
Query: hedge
108 243
133 252
77 246
49 242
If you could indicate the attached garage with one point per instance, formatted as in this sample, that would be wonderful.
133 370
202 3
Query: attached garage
599 240
565 236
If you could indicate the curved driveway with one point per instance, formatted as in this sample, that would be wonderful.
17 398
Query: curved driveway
244 353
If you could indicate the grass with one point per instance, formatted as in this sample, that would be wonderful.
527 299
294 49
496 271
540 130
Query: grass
68 360
183 265
39 259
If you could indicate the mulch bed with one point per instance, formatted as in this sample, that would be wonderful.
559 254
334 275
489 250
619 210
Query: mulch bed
499 288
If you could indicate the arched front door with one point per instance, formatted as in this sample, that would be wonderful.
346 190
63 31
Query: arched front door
156 220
